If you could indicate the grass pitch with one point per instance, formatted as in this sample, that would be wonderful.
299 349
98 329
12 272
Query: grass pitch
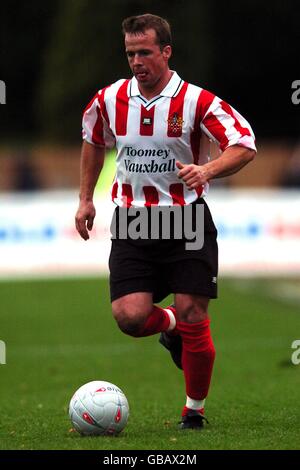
60 334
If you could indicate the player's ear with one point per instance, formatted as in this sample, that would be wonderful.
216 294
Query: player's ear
167 52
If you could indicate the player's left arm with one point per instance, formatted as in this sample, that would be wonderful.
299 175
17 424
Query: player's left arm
230 161
230 131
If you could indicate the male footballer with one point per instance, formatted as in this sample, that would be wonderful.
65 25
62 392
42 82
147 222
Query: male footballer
162 127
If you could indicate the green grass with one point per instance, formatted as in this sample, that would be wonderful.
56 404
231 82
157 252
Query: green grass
60 334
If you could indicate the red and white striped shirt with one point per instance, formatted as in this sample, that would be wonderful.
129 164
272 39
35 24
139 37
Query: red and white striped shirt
150 135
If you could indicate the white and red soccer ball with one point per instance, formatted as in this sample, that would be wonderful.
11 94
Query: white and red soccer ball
99 408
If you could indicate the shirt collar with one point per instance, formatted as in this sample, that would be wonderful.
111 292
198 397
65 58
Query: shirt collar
171 89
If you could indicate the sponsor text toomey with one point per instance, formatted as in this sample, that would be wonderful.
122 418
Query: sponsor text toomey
152 166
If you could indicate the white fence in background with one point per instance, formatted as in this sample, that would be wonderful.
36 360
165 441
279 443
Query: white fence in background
259 233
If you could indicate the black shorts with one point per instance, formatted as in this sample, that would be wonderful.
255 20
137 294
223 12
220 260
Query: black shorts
164 266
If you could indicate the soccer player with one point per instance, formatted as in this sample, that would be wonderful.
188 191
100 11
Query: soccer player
162 127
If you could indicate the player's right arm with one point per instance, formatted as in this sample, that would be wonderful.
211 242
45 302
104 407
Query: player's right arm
92 159
97 136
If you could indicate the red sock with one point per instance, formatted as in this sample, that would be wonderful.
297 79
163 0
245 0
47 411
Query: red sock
198 354
157 321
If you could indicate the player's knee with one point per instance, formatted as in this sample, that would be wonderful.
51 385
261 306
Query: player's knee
129 321
191 311
129 325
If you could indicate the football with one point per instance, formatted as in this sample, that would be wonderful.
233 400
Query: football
99 408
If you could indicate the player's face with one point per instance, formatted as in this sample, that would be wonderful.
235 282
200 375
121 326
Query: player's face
147 61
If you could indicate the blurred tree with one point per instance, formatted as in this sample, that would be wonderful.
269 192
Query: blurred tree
87 52
56 54
83 55
257 44
24 30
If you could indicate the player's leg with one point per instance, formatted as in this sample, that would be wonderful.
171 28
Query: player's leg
134 281
137 316
198 354
192 276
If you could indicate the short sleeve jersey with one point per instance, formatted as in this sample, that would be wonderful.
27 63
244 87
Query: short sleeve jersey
150 135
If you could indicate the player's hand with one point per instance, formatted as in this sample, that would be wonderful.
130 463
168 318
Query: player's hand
84 218
193 175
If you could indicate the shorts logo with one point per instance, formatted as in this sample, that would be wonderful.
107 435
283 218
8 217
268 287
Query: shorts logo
175 123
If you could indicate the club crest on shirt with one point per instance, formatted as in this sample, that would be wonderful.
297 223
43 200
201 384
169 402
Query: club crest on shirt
175 123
